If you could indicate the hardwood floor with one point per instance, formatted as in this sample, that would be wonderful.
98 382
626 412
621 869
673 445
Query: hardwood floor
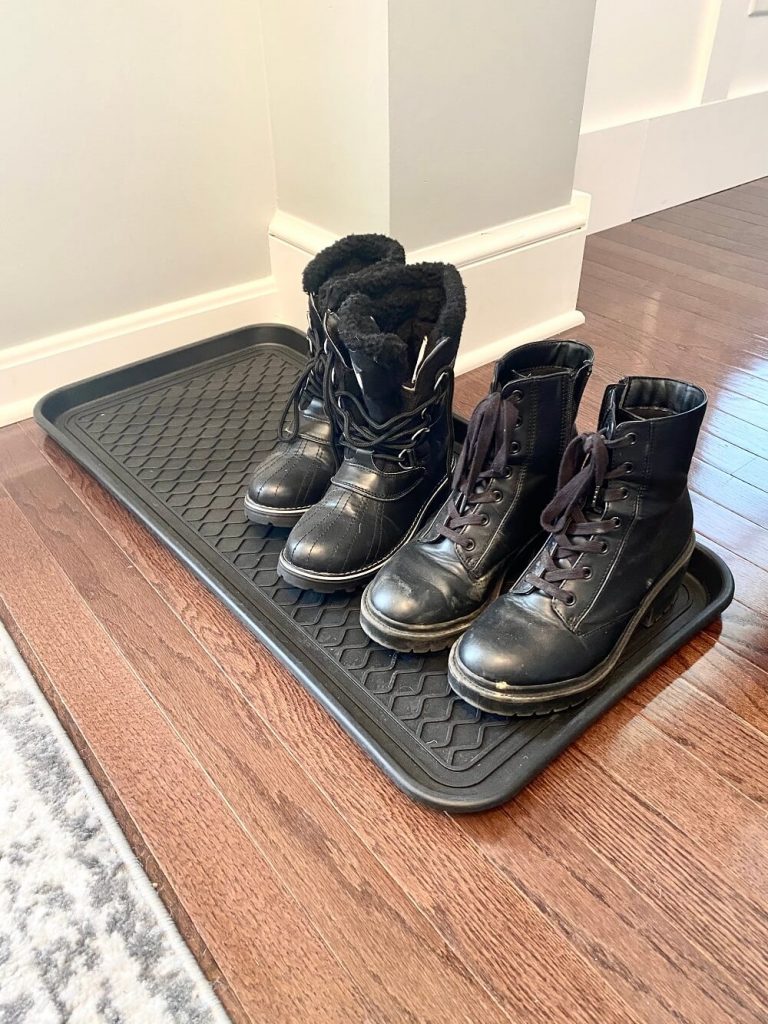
628 883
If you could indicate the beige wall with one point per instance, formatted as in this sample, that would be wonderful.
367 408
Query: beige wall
485 106
135 159
327 71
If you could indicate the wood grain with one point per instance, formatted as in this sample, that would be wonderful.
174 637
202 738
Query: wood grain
627 884
216 871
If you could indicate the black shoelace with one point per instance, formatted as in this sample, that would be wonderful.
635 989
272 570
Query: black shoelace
584 484
484 457
309 385
395 439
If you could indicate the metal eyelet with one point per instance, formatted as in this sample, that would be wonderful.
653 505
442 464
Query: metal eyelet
514 448
569 599
469 544
586 572
517 395
497 495
631 437
603 547
624 492
616 522
484 520
519 422
628 468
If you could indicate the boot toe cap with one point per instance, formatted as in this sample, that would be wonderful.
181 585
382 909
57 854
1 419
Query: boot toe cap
328 540
521 644
286 481
401 594
414 590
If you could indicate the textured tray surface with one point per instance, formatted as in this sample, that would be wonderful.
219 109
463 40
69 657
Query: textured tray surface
178 448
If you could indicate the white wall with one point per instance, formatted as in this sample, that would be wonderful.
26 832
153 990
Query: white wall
329 121
676 104
136 164
485 103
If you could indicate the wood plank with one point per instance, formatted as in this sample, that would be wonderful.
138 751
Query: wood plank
154 870
709 664
664 311
730 492
707 810
740 202
645 954
696 230
417 847
214 868
345 892
754 472
739 535
660 862
751 269
747 301
702 725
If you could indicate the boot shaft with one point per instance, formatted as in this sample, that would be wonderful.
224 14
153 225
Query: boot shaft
508 466
392 346
546 379
663 418
622 513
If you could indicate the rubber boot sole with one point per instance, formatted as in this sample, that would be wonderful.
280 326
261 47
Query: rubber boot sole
266 516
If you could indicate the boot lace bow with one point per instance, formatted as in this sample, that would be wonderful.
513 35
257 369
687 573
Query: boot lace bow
583 488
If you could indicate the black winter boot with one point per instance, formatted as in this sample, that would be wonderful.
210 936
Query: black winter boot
432 589
299 468
621 536
391 383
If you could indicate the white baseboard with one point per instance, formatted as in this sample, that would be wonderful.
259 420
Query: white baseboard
29 370
470 359
522 278
634 169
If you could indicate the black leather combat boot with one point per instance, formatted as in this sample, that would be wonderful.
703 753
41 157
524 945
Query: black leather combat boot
299 468
432 589
621 536
392 351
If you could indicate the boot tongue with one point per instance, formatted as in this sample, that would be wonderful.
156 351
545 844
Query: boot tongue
380 361
381 383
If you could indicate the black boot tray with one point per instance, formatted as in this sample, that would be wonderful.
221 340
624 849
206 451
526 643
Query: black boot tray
174 438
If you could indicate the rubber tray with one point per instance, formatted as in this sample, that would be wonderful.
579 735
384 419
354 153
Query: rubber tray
174 438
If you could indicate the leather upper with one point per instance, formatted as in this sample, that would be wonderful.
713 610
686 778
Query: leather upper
372 503
298 470
528 638
391 382
434 579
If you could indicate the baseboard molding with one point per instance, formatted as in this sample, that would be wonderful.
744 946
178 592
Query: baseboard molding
470 359
29 370
635 169
521 278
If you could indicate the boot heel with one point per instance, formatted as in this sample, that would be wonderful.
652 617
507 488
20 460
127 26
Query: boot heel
664 600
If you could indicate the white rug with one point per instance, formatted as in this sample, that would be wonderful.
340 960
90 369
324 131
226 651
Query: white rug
84 938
